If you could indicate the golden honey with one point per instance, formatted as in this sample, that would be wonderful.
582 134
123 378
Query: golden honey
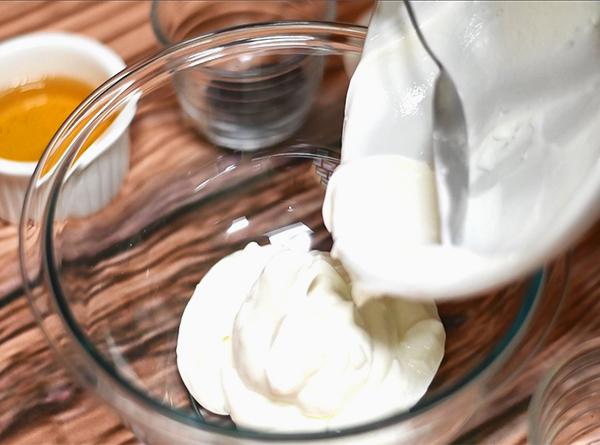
31 113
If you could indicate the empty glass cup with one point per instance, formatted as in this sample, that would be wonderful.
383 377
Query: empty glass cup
565 408
250 101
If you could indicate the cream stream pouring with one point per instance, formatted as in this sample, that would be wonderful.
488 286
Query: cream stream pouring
529 77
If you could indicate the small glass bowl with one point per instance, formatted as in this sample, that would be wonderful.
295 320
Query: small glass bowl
109 289
565 408
251 100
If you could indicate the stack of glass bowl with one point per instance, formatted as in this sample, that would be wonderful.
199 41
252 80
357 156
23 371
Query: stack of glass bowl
109 289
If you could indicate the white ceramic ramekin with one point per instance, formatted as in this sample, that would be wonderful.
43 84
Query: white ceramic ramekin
99 172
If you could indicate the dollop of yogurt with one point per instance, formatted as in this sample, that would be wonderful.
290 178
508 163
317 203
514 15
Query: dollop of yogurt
273 337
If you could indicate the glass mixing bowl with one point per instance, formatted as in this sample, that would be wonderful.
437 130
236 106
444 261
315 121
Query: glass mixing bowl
109 288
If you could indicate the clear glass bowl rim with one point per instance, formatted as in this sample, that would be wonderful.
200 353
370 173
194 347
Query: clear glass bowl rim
164 40
589 350
120 85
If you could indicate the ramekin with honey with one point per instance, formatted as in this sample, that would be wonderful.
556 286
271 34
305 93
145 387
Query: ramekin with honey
44 77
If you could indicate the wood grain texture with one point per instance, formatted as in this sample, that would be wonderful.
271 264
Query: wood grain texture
39 402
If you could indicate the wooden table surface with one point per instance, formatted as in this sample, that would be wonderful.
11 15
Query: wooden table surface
39 403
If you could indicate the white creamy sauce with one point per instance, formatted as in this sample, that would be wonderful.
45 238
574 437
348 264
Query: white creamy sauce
529 77
382 213
273 338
